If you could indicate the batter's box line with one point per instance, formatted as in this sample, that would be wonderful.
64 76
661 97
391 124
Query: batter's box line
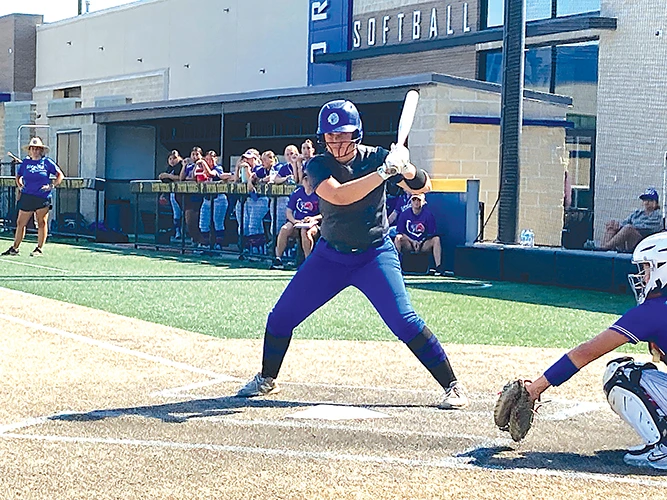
117 348
573 407
443 463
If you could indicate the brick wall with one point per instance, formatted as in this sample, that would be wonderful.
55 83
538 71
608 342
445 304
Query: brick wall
6 58
138 88
89 158
459 61
25 52
471 151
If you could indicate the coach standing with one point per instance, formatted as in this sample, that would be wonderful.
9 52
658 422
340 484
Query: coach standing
34 179
355 250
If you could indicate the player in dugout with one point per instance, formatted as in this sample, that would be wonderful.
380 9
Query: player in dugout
354 250
636 391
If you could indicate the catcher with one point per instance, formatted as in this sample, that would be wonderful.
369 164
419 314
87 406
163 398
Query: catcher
637 392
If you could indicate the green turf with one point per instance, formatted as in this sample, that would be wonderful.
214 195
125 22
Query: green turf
231 299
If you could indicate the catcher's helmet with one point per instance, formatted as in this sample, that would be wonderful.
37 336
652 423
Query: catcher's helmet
652 250
339 116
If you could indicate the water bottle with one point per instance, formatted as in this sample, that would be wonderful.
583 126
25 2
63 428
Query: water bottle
530 238
523 239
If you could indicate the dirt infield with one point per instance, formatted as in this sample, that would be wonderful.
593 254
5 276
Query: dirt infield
101 406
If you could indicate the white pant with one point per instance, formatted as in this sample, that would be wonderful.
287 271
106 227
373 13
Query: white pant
253 215
281 213
175 207
220 204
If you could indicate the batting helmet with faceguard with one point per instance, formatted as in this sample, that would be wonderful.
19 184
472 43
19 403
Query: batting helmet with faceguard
652 250
339 116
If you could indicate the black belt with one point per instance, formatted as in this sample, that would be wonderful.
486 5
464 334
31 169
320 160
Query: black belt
342 248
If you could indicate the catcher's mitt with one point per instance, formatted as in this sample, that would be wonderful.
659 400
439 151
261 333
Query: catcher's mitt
514 410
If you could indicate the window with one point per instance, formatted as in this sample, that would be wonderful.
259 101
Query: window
577 63
493 10
571 7
67 93
567 69
537 68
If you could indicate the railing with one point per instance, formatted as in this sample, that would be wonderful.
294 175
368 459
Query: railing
9 196
235 191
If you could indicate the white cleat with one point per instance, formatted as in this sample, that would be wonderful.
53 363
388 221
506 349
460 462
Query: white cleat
455 397
657 458
637 456
258 386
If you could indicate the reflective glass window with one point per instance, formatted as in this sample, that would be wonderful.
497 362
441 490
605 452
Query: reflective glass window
537 68
535 9
570 7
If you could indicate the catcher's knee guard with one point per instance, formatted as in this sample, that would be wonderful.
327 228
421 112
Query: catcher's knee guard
629 400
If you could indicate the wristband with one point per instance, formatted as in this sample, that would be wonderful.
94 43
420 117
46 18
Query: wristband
561 371
419 180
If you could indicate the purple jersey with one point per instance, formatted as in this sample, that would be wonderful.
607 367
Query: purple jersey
37 174
261 172
416 227
645 323
285 169
303 205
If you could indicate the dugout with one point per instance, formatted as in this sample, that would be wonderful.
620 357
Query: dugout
454 136
455 205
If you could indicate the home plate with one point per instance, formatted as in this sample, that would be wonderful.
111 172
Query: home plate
335 412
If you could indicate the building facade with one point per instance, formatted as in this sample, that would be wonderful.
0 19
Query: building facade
119 88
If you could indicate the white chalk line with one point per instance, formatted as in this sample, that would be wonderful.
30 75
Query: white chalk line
578 409
29 422
574 409
116 348
19 263
443 463
312 424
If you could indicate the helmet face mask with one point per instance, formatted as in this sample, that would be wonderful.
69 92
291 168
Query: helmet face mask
650 255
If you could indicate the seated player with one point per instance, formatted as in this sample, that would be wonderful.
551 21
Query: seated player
637 392
303 216
397 203
416 231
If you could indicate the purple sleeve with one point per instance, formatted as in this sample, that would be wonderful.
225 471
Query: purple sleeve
636 325
51 166
21 170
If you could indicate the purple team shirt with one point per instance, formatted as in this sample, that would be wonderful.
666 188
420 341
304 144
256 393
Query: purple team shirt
416 227
285 170
303 205
645 323
36 174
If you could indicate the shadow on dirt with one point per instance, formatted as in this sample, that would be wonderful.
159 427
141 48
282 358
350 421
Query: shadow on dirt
601 462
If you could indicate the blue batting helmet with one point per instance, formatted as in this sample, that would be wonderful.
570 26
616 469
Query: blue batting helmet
339 116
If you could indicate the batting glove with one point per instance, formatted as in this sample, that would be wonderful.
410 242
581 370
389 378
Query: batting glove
397 162
399 157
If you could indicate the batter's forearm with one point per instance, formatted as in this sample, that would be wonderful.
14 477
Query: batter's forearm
350 192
